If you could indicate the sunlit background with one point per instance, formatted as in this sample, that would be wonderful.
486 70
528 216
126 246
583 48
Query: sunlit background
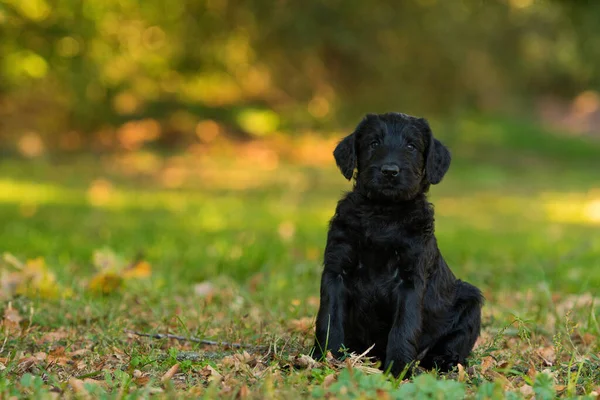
166 167
200 132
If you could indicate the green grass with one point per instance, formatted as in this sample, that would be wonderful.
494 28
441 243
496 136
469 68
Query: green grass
518 214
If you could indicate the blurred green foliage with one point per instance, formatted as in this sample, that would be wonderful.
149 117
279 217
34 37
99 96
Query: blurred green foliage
83 68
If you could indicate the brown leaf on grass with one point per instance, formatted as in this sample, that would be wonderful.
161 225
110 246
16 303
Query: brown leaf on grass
255 281
368 370
586 339
53 336
204 289
462 376
244 392
487 363
329 357
239 361
105 283
78 387
210 374
560 389
230 361
79 353
35 279
140 269
169 374
547 354
302 325
140 378
246 358
80 365
506 384
113 271
303 361
526 391
484 339
382 394
27 364
58 356
12 319
531 372
329 380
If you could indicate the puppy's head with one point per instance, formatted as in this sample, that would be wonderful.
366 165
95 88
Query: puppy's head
396 156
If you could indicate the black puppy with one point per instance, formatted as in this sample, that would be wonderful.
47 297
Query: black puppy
385 281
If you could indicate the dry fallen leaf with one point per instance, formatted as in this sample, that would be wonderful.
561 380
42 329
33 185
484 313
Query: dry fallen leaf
382 394
560 388
105 282
26 364
244 392
210 374
204 289
462 376
487 363
140 378
54 336
32 279
113 271
526 391
141 269
506 384
78 387
329 379
91 381
11 319
302 325
548 355
246 358
169 374
531 372
304 361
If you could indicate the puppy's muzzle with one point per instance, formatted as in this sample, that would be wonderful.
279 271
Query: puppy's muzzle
390 170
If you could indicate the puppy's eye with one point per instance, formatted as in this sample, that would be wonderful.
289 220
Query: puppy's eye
374 144
410 147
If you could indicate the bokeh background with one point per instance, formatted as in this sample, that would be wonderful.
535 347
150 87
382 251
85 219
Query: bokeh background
199 132
74 73
166 166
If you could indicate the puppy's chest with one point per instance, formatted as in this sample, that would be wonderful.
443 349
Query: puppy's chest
388 239
388 251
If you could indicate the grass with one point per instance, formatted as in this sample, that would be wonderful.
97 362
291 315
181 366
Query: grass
232 246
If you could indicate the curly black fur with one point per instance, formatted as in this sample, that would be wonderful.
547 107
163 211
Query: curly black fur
384 281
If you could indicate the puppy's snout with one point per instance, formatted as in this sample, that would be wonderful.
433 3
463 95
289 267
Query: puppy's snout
390 169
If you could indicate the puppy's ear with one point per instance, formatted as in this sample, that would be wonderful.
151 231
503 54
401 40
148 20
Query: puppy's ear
345 152
437 157
345 155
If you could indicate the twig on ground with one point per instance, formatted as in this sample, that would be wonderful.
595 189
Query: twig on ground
190 339
357 358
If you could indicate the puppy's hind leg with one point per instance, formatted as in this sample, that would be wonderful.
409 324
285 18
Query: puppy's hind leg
456 344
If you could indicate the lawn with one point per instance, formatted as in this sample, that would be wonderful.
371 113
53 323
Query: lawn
225 244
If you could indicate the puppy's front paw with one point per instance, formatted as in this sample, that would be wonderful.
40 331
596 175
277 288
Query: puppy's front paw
396 368
316 353
320 354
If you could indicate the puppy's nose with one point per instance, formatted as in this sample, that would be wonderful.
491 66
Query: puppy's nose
390 169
